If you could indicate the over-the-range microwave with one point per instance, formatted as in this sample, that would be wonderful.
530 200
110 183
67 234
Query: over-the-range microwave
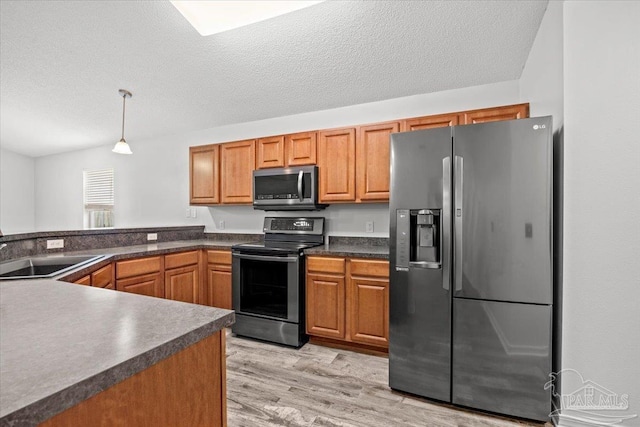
286 189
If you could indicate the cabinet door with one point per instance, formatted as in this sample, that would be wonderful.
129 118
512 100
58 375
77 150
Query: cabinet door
336 161
326 305
369 310
181 284
237 160
508 112
430 122
86 281
270 152
104 277
219 286
300 149
148 284
372 161
203 174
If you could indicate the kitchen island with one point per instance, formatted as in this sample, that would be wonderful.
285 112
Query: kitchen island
78 355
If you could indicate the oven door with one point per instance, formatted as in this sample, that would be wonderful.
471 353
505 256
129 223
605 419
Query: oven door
266 286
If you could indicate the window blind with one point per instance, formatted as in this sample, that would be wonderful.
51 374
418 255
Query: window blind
98 189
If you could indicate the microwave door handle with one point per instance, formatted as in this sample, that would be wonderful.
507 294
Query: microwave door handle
300 174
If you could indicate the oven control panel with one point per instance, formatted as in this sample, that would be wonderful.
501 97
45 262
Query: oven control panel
314 225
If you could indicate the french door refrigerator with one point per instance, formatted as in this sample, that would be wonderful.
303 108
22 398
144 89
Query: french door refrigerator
471 285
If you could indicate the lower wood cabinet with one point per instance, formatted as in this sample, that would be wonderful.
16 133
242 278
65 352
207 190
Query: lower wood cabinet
148 284
369 296
101 278
326 297
86 280
348 300
104 277
141 276
218 279
182 277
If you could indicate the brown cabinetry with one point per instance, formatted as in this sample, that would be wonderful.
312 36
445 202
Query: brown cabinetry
494 114
336 161
326 297
204 174
270 152
372 161
429 122
237 162
141 276
353 162
369 297
182 277
104 277
218 279
86 280
300 149
348 300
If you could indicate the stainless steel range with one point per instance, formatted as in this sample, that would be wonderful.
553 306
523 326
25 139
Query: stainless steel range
268 280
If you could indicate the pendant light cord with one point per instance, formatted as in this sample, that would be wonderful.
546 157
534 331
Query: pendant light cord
124 99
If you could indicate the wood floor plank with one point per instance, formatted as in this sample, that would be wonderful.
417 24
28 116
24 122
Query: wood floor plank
274 386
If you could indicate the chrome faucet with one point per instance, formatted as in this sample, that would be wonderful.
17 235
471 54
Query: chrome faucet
2 246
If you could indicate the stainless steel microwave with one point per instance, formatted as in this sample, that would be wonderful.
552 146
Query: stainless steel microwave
286 189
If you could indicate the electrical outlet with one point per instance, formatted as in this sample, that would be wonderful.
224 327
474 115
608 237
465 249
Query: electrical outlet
188 214
55 244
369 227
193 213
152 236
221 225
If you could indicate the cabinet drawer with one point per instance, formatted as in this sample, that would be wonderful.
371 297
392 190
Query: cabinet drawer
136 267
103 277
374 268
219 257
326 265
181 259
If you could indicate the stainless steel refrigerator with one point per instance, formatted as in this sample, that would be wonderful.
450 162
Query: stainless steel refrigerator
471 286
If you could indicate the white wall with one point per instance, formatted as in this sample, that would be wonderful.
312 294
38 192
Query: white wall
541 82
152 185
16 193
601 326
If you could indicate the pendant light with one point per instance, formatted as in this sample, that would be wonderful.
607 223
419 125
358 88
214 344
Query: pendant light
121 146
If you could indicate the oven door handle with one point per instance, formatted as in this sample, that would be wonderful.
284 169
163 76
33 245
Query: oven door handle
270 258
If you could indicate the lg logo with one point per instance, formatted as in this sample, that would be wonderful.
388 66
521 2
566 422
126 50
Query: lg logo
536 127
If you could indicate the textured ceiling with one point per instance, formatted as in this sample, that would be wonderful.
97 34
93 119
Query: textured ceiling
62 63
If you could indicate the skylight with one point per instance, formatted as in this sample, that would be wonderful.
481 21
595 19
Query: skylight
211 17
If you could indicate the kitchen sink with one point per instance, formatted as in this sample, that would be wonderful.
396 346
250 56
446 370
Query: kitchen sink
43 267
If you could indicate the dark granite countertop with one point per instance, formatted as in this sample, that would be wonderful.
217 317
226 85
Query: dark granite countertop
62 343
136 251
353 247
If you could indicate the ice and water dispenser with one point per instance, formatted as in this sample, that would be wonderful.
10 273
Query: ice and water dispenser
418 238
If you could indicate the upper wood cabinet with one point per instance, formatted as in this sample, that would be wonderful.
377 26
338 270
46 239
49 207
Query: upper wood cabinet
336 162
300 149
494 114
270 152
203 174
429 122
237 161
372 161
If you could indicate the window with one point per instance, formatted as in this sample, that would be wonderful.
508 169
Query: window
98 198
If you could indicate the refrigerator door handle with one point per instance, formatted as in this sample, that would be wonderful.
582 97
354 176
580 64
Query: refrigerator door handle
445 233
459 188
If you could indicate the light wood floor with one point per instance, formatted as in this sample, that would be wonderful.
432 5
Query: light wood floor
270 385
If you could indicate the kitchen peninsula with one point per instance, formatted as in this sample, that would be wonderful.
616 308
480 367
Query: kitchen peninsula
75 355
